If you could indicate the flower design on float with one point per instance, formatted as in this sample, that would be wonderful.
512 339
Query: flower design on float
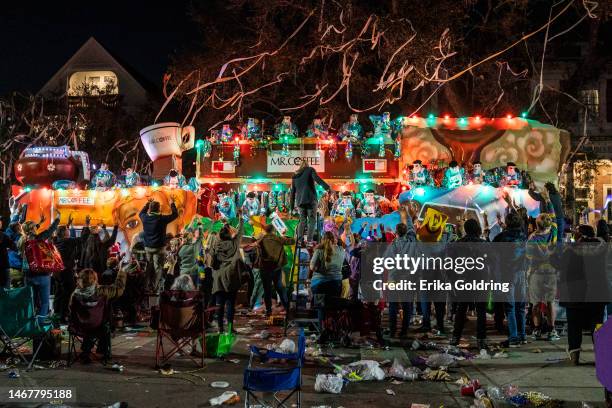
51 167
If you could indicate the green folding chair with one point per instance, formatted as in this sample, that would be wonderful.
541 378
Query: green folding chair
19 323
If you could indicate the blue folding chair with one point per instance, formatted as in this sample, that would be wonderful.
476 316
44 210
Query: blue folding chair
274 380
19 323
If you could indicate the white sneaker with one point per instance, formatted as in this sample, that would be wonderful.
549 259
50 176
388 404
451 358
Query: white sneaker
553 336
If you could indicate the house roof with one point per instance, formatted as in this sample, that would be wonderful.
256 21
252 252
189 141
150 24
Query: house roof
94 56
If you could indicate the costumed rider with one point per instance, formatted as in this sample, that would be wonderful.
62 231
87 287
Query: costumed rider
382 125
286 129
454 176
226 208
511 177
104 179
477 175
132 179
351 130
344 206
317 129
251 130
419 176
250 206
368 206
174 179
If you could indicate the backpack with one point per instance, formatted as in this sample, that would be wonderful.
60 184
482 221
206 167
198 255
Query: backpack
43 257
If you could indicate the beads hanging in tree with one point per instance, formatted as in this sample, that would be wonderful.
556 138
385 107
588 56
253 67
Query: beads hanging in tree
237 152
381 147
206 148
318 147
332 152
364 148
286 145
398 149
348 153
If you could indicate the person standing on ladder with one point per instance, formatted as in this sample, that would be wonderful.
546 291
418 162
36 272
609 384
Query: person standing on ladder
304 198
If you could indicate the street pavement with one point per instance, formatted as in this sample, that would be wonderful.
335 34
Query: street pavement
538 366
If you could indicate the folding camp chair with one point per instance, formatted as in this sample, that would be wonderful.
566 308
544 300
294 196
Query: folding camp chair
274 380
89 318
182 321
19 323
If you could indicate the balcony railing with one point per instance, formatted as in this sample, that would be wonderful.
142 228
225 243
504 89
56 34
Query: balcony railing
107 101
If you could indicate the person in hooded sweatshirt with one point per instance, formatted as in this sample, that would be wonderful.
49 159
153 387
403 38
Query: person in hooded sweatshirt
89 289
69 247
304 198
227 271
188 254
514 233
405 237
95 249
584 284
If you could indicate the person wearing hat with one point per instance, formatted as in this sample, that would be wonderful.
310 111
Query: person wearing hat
104 179
454 176
419 175
477 175
132 179
174 179
511 177
224 206
250 206
41 284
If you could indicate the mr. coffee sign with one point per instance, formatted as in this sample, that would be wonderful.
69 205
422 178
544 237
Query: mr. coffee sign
76 200
289 162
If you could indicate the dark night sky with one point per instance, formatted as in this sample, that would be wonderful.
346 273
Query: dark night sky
39 37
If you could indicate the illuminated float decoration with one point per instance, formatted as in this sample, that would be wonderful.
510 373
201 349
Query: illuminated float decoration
44 165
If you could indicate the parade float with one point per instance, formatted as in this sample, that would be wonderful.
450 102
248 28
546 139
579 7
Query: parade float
458 166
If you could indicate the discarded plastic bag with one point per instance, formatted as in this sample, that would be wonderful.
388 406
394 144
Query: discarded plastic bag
440 360
397 370
363 370
287 346
331 383
225 398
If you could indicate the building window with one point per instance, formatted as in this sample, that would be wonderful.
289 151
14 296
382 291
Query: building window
590 99
93 83
581 193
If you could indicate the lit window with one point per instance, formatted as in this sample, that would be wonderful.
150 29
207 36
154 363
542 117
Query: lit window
590 99
93 83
